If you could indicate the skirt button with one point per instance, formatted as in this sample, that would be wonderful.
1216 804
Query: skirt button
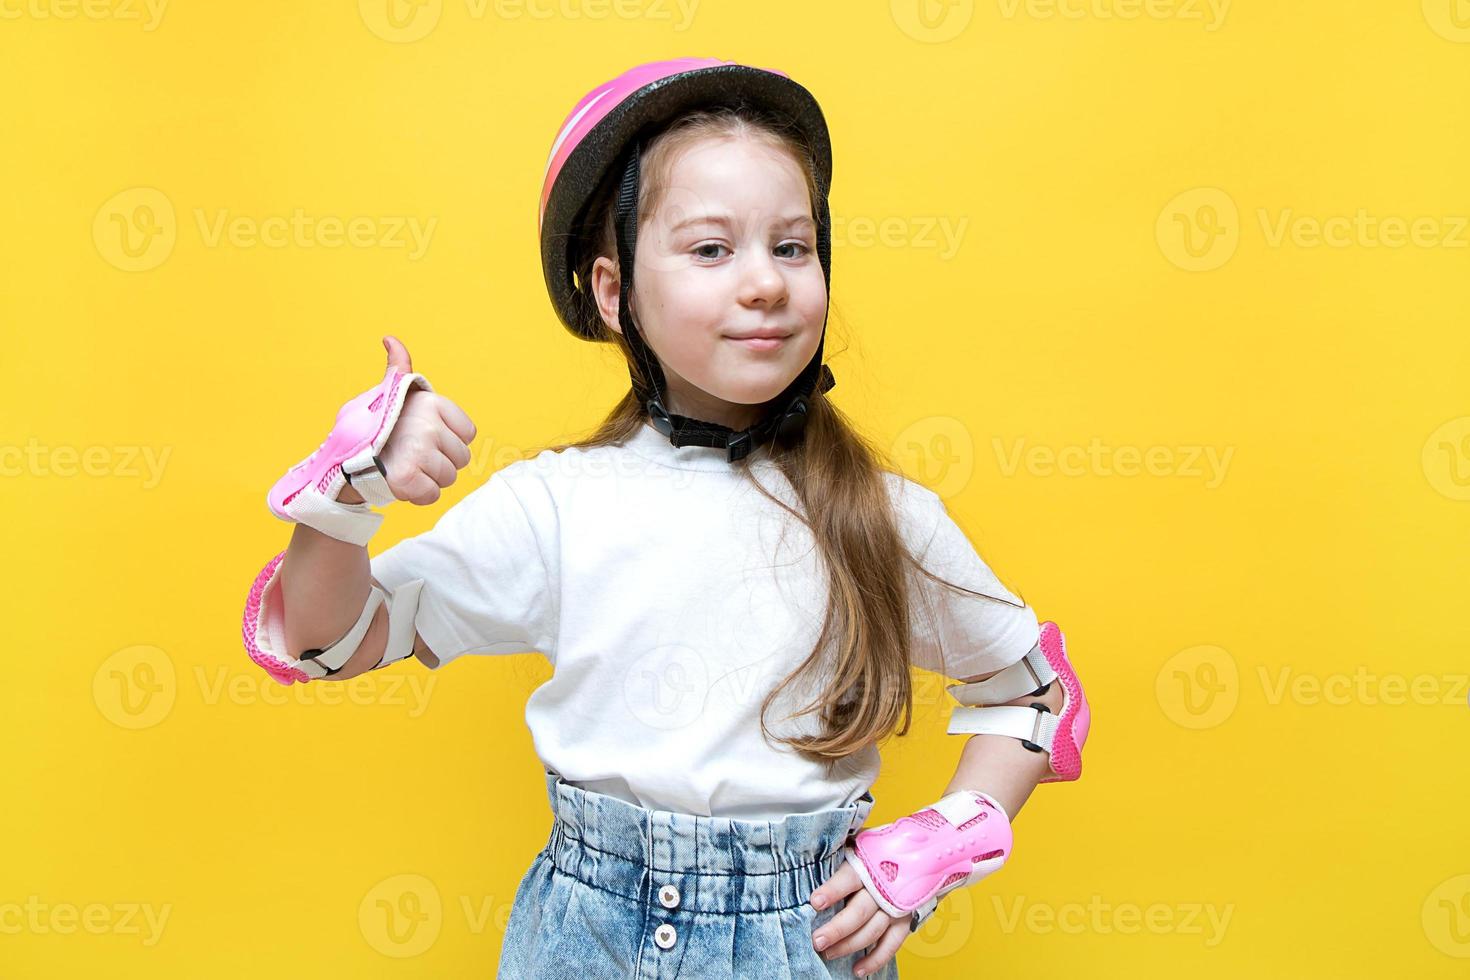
665 936
668 896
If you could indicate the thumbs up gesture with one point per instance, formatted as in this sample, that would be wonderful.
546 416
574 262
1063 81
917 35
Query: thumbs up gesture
429 444
398 440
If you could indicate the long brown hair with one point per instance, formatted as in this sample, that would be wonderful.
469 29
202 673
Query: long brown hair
835 471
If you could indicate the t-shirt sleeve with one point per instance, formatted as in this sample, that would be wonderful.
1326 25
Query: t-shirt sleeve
959 634
487 585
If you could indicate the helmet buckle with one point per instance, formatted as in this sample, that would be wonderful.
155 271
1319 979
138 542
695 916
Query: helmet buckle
659 416
793 420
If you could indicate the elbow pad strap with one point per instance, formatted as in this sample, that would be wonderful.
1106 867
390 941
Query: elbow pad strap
264 629
983 710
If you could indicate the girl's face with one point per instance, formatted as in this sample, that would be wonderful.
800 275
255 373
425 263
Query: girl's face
729 253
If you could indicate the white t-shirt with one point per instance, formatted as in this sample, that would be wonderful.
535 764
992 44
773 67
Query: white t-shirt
671 596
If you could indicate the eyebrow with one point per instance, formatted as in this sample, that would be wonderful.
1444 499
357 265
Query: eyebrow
720 219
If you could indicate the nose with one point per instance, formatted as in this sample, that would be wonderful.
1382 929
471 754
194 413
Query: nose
761 280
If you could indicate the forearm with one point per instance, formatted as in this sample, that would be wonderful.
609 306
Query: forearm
1000 765
325 584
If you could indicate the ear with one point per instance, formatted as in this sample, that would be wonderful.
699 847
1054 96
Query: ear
606 285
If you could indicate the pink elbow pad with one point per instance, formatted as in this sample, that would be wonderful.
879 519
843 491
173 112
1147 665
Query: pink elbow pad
908 864
983 707
264 629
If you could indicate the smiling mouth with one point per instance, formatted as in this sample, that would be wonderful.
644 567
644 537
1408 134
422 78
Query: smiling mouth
761 343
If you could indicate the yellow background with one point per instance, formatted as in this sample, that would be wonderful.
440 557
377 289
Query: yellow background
1272 647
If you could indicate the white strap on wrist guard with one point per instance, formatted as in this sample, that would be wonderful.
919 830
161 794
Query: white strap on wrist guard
307 493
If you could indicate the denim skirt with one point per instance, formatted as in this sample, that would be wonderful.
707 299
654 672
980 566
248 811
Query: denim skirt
620 892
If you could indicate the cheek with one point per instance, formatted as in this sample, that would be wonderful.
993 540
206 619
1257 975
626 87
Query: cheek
811 288
812 302
681 320
693 300
679 297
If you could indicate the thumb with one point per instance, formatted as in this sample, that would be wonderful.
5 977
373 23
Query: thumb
397 354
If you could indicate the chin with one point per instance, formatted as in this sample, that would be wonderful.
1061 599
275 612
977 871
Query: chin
755 391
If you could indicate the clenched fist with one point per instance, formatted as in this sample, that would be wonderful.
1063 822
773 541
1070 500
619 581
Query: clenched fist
429 443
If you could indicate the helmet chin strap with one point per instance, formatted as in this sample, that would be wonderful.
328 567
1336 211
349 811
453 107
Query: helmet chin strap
786 417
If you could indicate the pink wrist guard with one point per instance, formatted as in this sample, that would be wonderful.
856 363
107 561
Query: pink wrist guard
908 864
307 494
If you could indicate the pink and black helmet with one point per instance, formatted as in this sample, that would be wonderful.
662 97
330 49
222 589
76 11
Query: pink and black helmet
601 139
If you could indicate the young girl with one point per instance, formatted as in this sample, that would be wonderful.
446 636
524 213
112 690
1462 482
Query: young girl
730 586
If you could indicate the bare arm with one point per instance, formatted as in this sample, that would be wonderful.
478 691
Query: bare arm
1001 765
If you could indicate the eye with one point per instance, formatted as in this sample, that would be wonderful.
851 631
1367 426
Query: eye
700 248
800 245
